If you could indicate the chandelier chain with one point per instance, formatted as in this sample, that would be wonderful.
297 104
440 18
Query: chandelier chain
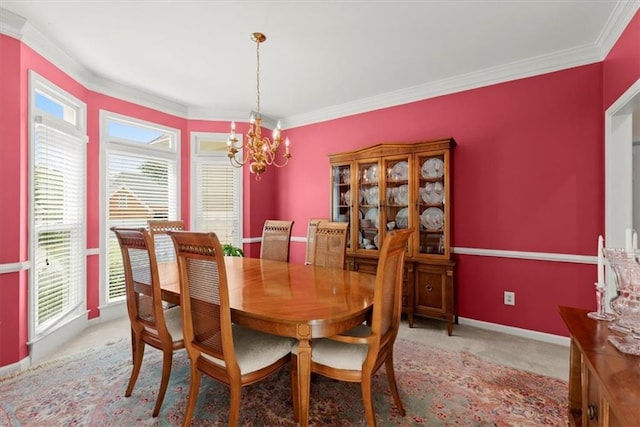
258 76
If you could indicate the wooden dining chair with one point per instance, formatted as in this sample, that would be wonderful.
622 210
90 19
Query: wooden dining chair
150 322
356 355
276 236
163 244
311 240
229 353
330 245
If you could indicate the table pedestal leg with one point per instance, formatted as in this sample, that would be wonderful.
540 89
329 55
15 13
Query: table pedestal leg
304 379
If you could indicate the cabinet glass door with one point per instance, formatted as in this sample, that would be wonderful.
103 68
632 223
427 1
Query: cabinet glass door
342 198
398 191
432 202
368 214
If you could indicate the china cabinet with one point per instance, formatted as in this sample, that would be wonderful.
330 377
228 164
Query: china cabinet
387 187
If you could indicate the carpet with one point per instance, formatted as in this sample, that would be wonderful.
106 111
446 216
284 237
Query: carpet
438 388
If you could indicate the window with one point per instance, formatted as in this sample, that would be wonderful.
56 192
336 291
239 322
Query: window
141 170
216 189
57 211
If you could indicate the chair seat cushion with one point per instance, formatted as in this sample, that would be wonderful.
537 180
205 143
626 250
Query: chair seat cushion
173 320
254 349
340 355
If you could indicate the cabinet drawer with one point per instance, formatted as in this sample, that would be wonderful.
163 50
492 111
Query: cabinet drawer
592 405
597 410
365 265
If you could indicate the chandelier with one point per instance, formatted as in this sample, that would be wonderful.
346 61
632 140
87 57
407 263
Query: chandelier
260 151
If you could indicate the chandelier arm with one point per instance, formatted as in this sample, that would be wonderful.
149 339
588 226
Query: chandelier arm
244 156
281 165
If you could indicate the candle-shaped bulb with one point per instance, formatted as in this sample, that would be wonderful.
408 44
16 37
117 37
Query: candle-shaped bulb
600 261
286 145
233 127
628 240
278 125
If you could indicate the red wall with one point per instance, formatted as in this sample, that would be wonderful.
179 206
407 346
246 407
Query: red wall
528 176
13 204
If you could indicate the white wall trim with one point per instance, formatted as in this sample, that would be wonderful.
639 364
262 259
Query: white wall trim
15 267
538 256
248 240
511 330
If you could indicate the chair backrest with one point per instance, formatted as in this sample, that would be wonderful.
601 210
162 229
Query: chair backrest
204 296
330 244
276 236
164 246
387 299
142 282
311 240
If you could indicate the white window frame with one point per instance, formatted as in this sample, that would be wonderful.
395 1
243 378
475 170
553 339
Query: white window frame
117 307
198 158
52 334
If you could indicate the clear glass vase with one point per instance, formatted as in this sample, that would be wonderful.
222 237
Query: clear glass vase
626 269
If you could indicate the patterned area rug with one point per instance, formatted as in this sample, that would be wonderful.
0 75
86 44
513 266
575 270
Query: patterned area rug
438 388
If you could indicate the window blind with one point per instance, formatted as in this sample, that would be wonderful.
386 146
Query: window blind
217 198
140 187
58 216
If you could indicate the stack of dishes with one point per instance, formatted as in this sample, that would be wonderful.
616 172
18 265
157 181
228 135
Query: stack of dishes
432 219
372 195
373 216
399 171
432 168
402 218
402 195
432 193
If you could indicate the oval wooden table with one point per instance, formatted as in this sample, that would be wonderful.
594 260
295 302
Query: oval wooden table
292 300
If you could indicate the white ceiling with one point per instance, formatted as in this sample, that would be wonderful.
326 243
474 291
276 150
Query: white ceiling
322 59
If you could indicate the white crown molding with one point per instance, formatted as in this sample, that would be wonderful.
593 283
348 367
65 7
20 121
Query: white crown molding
11 24
557 61
582 55
620 17
137 96
17 27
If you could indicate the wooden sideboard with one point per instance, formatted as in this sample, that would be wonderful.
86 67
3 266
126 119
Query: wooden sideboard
604 384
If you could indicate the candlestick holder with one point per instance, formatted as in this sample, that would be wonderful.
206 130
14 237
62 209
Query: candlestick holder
600 313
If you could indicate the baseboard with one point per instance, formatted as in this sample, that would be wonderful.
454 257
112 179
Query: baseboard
524 333
112 311
8 370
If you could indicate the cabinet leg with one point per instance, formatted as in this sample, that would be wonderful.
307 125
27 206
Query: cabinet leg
450 326
410 318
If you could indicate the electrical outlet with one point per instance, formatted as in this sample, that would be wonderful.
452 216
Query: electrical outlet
509 298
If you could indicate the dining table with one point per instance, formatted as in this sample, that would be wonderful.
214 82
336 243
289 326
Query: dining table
293 300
